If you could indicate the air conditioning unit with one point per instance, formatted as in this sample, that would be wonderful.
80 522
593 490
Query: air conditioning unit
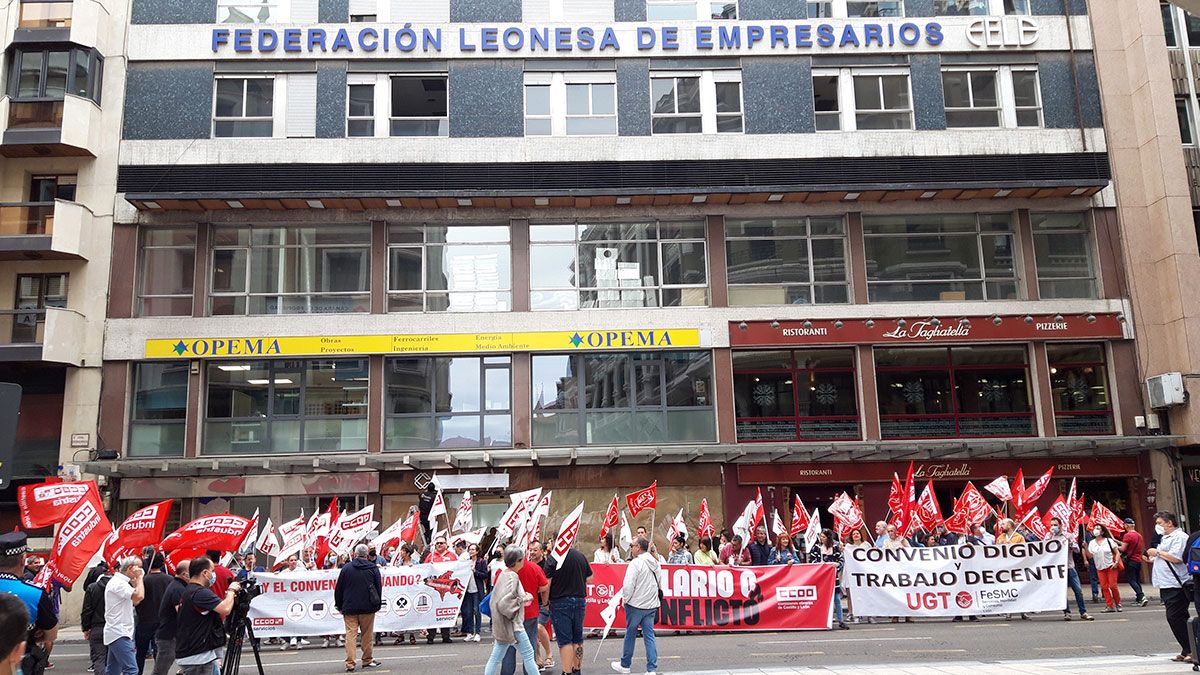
1166 390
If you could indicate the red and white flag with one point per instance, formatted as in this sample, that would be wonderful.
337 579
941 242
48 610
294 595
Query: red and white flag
268 542
438 508
846 513
760 514
642 499
350 528
928 510
1018 494
247 545
799 518
80 536
705 527
1102 516
626 538
1061 510
291 537
905 518
741 526
678 527
1034 492
999 487
514 518
777 527
218 532
391 534
1036 525
896 495
409 531
957 522
612 517
463 517
974 505
812 533
48 503
143 527
566 534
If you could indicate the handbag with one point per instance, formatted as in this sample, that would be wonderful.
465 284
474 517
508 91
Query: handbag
485 605
1117 562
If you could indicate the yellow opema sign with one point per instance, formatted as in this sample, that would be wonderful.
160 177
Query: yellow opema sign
333 345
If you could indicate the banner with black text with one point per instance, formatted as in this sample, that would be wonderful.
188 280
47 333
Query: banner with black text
960 580
301 603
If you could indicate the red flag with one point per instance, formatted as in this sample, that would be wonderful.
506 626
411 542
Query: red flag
1039 486
1018 493
143 527
1036 525
928 511
48 503
896 495
905 519
799 518
1061 510
959 521
180 554
705 527
760 514
642 499
1102 516
219 532
846 515
322 550
612 518
974 505
567 533
79 537
999 487
409 533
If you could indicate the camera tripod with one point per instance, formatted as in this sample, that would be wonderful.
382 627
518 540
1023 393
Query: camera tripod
238 624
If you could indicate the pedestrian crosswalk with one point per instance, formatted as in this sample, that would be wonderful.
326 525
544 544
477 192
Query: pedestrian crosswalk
1124 664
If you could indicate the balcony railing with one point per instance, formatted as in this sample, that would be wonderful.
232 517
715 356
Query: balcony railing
26 218
35 115
45 14
53 334
22 326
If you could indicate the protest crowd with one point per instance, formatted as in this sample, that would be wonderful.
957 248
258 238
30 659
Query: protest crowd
166 604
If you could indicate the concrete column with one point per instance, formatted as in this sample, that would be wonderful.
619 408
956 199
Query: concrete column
718 273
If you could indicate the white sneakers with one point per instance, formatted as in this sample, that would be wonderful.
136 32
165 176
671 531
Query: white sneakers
617 667
471 637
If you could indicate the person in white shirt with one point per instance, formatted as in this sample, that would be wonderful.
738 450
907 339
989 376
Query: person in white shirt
292 566
1104 554
124 591
607 553
640 595
1170 575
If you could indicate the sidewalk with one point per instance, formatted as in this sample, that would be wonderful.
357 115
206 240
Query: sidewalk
1126 665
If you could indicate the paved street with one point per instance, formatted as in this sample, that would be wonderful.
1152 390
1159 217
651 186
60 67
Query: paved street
1135 641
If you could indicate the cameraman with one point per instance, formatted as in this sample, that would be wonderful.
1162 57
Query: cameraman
200 639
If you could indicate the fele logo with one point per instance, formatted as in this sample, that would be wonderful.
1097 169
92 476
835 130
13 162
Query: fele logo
963 599
268 621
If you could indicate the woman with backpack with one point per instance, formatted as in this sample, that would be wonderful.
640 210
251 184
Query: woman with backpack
1106 560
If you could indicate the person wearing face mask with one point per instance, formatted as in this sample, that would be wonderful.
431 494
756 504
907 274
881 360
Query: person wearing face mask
1132 545
1104 554
1170 575
200 641
1009 535
1056 532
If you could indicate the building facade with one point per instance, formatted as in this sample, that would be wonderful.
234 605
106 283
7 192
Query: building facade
61 117
585 244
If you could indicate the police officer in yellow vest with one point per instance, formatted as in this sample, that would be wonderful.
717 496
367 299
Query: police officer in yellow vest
43 622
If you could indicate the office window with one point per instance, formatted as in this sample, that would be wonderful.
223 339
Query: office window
290 270
979 7
34 294
832 9
690 10
707 102
849 99
360 110
1183 111
244 107
1079 387
786 261
49 75
1000 96
456 268
940 257
449 402
167 272
617 265
281 406
159 409
1062 245
1168 19
419 106
570 104
1191 26
622 398
45 14
958 392
802 395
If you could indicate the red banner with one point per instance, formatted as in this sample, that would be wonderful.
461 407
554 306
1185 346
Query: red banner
697 597
80 536
46 504
143 527
220 532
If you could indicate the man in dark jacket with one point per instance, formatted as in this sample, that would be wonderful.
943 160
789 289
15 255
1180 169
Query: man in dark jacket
425 505
200 635
168 620
357 595
156 584
91 620
760 548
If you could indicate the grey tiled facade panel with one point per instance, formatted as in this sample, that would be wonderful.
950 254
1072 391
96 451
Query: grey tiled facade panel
918 7
1058 91
777 96
929 102
168 101
484 11
633 97
487 99
331 99
764 10
334 11
1052 7
174 11
630 10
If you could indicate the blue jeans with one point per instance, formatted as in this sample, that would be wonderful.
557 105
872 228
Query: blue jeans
1133 574
1073 584
635 617
471 618
500 651
121 658
837 605
1095 579
567 616
509 666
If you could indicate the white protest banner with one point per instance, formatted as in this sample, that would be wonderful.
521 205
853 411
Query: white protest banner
301 603
965 579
